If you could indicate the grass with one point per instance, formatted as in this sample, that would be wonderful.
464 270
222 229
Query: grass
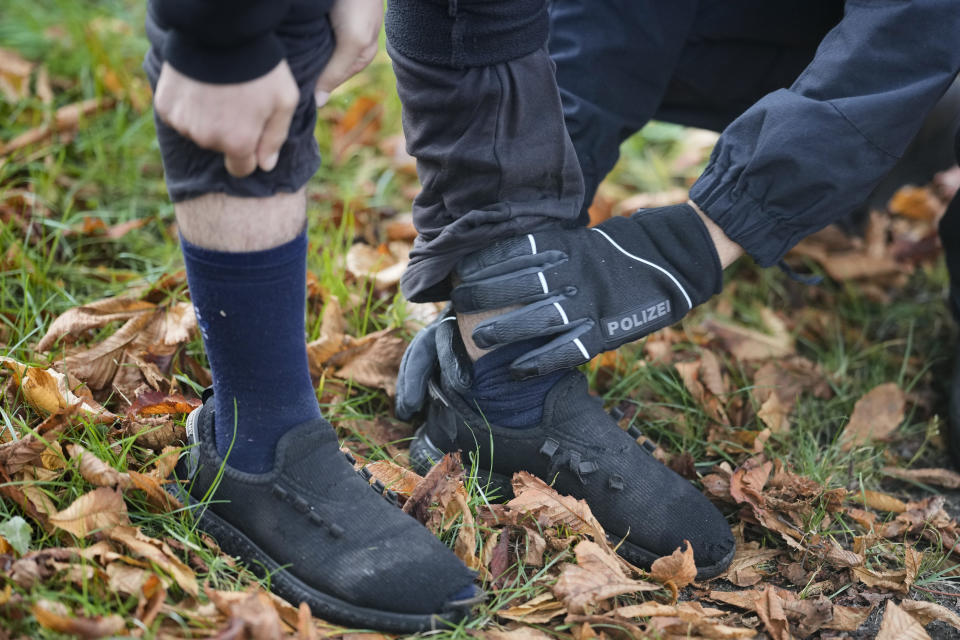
110 171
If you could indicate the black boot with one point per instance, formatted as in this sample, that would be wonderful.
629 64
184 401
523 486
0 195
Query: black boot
581 451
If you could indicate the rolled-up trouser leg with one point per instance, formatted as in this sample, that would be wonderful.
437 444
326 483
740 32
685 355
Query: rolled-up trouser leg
482 116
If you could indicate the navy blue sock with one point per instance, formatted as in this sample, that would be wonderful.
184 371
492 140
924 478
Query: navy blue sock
503 400
250 308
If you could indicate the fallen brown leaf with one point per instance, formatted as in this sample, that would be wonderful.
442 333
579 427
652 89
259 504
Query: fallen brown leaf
538 610
99 510
97 365
124 578
518 633
534 498
917 203
48 391
848 618
927 612
536 547
53 617
15 73
152 594
398 479
96 471
875 416
358 126
749 344
158 552
160 500
383 266
94 315
899 625
151 402
596 577
252 612
743 568
65 120
678 568
429 500
936 477
19 454
333 338
879 501
895 580
769 607
155 432
373 361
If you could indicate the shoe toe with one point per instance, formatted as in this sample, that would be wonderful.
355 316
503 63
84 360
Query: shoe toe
714 545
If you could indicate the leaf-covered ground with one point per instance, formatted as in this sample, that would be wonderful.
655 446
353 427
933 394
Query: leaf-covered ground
814 415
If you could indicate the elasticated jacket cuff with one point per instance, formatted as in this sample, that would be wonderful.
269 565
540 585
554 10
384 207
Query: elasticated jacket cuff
223 65
763 236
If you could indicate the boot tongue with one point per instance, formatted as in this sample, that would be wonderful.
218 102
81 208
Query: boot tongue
569 405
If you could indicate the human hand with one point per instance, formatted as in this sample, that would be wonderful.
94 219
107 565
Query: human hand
590 290
248 122
356 26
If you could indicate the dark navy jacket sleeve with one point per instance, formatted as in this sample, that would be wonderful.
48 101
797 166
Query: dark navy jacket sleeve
222 41
803 157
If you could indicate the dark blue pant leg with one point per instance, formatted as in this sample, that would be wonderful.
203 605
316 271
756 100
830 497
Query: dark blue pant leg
614 62
701 63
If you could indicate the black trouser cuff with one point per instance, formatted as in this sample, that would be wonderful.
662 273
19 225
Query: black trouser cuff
466 33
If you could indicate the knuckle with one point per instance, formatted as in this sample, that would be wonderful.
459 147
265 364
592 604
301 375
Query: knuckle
202 137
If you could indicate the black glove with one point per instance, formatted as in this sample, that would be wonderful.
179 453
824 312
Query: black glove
438 341
592 290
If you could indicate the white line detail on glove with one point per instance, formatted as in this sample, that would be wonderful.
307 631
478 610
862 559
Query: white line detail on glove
583 349
646 262
563 314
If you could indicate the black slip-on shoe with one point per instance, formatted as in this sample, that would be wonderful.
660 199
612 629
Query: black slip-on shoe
324 534
646 509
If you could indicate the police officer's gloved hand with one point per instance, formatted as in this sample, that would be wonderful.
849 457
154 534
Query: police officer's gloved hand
589 290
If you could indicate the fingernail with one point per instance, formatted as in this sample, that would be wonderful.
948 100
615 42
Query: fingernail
271 161
321 97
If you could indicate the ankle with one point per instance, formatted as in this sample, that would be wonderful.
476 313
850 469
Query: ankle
504 400
467 322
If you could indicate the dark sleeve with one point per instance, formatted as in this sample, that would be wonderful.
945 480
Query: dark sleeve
222 41
803 157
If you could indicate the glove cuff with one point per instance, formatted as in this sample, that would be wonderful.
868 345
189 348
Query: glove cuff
680 237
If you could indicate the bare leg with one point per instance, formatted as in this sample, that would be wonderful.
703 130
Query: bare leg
226 223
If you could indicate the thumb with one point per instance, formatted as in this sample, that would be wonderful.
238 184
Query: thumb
346 60
275 132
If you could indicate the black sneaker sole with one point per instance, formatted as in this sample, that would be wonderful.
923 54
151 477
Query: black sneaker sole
424 454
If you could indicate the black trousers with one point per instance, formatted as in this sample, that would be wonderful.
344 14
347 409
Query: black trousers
502 151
